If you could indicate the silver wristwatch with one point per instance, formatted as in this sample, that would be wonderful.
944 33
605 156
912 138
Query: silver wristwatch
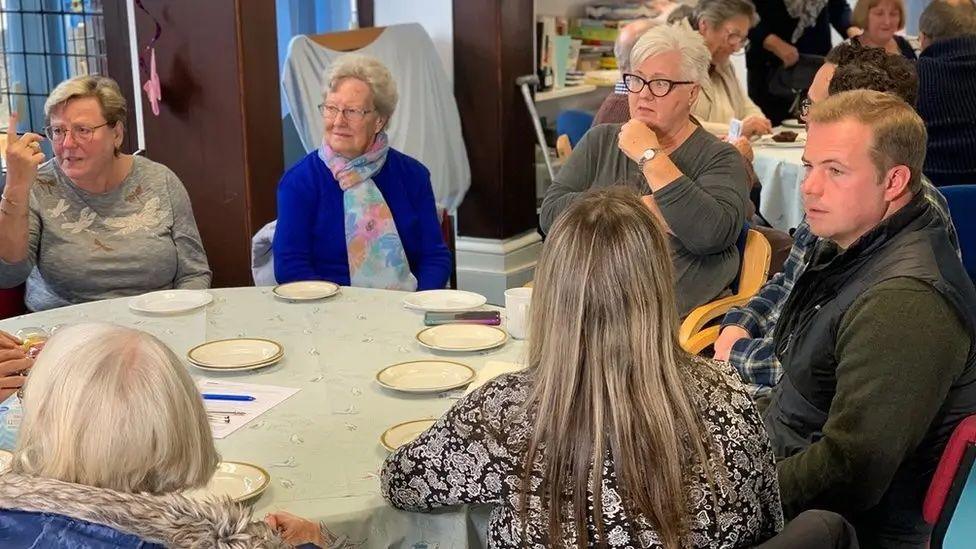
648 155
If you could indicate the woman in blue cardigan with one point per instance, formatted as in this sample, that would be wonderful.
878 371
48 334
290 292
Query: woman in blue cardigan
356 211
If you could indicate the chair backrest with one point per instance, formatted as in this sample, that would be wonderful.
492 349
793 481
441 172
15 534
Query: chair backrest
564 147
953 489
962 204
574 124
755 254
696 333
12 302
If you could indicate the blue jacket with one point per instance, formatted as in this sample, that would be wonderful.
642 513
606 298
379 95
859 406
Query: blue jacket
38 512
310 241
24 530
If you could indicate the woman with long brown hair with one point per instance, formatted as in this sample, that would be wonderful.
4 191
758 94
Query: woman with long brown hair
612 435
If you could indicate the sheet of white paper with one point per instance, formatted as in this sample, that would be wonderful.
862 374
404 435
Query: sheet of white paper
266 397
735 129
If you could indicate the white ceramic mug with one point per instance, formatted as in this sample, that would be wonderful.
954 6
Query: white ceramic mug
517 302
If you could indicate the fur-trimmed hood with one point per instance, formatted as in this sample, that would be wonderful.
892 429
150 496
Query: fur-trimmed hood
172 520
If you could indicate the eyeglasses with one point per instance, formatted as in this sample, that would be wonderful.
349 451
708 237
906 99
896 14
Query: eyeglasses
352 115
805 104
659 87
737 41
81 134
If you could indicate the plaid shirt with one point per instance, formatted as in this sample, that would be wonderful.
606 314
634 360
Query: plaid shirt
755 358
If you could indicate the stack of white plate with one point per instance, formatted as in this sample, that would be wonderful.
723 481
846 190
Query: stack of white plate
425 376
170 302
400 434
235 355
306 290
238 481
462 337
444 301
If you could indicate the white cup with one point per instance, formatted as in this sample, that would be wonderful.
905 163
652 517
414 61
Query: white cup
517 302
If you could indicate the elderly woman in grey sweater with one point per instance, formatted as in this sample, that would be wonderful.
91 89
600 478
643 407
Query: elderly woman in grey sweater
694 183
92 223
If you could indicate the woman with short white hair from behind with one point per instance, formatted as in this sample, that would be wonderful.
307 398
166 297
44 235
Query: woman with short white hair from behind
114 430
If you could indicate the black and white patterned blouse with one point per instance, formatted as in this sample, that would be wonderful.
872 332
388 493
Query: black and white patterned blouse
475 454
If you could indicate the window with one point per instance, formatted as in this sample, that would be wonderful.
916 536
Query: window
43 43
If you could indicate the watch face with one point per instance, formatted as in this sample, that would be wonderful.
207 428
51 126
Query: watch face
649 154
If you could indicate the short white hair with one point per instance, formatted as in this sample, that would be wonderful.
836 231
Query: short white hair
695 56
113 407
372 72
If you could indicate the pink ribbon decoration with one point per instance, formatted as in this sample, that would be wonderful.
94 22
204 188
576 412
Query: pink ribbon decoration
151 86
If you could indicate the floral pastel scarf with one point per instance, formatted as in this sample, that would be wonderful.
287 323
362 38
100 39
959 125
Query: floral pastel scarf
807 11
376 255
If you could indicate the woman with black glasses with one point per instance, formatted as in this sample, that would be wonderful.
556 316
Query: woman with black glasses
92 223
693 182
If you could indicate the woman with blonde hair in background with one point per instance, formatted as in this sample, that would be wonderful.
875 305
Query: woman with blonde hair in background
881 19
114 430
612 435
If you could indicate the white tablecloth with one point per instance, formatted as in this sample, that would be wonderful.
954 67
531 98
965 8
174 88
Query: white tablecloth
781 172
321 446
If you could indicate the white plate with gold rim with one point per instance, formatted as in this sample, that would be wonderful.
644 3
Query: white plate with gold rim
306 290
236 353
257 366
402 433
444 301
462 337
237 480
170 302
5 460
425 376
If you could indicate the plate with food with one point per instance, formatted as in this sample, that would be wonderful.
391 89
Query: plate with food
785 139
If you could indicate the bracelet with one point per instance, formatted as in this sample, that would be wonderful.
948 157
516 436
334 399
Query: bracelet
4 197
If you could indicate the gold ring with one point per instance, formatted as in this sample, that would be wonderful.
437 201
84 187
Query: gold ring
34 145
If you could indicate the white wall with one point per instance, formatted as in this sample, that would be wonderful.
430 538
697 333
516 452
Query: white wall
436 16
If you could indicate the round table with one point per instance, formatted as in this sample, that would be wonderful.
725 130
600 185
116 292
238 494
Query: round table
780 169
321 446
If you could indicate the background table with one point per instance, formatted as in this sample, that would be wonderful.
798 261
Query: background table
781 172
321 446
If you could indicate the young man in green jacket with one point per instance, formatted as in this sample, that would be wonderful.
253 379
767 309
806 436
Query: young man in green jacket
876 338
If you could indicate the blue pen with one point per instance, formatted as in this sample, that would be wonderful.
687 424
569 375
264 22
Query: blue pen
212 396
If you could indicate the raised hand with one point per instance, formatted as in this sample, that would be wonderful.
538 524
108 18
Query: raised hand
24 155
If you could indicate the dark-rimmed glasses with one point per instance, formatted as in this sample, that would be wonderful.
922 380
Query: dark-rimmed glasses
659 87
81 133
805 105
353 115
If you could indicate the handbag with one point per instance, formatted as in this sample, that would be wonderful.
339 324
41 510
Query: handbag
787 82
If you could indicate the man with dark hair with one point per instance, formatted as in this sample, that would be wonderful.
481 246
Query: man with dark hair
947 78
746 339
893 74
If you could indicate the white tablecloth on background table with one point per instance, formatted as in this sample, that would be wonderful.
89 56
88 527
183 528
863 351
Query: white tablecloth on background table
781 172
321 446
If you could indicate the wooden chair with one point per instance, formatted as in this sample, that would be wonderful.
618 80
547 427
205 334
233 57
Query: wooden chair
693 335
563 147
348 40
